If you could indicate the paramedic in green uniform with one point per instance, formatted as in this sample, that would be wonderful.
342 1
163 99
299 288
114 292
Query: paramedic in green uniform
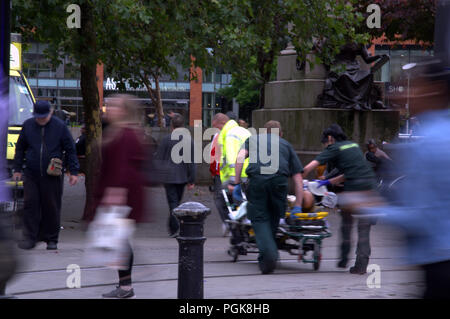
268 187
359 182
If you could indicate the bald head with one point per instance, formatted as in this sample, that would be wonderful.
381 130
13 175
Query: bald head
219 120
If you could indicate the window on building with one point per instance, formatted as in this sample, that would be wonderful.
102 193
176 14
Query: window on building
392 71
211 106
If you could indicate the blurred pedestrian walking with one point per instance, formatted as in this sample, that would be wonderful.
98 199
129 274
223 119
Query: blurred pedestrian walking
421 201
8 259
39 149
80 145
122 181
174 174
376 157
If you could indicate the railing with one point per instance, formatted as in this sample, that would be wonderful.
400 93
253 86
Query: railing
408 137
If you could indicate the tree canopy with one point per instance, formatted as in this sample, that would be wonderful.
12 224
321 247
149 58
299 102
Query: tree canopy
403 20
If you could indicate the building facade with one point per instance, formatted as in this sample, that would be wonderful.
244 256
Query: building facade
196 99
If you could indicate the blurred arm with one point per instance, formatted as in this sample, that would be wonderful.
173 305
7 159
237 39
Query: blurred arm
298 184
242 155
337 180
310 167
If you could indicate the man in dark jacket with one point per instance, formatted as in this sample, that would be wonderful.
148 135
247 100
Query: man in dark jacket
43 138
175 174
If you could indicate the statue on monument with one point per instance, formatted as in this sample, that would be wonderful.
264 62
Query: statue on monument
352 87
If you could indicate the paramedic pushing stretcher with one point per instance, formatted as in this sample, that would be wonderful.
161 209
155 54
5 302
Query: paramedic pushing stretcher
359 182
268 188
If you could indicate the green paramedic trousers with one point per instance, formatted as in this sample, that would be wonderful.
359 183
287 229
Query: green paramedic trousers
266 205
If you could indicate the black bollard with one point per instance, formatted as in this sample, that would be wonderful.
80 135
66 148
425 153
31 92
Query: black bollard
191 216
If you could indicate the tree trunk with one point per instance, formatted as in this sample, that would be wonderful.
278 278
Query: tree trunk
159 106
265 62
155 96
89 92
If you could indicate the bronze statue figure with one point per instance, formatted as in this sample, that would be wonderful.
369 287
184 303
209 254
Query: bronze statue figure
353 88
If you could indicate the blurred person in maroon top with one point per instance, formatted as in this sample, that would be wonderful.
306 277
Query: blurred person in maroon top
121 179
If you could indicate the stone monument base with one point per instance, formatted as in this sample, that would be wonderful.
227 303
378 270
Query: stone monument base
303 127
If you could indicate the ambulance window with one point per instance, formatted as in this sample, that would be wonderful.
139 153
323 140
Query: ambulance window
20 101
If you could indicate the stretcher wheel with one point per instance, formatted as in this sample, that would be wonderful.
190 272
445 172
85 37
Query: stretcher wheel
317 257
234 253
316 264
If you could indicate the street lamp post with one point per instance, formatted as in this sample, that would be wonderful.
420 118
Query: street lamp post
407 68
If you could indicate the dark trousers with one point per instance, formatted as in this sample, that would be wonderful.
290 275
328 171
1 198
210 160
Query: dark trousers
8 260
219 200
125 275
42 207
437 279
266 204
363 247
174 194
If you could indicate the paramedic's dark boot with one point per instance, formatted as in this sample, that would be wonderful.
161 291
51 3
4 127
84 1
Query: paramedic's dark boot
345 250
360 267
342 263
52 245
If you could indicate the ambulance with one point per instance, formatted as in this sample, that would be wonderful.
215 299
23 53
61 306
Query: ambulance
21 101
21 97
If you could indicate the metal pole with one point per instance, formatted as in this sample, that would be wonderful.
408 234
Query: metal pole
407 104
191 216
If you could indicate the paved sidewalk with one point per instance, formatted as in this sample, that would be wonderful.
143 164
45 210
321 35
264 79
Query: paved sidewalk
43 273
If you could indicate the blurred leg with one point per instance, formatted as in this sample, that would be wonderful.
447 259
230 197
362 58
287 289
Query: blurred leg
268 250
437 279
32 209
278 190
51 194
174 193
219 200
125 275
346 235
363 248
258 213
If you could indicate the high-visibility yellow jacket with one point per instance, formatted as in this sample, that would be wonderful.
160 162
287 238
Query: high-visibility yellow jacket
230 140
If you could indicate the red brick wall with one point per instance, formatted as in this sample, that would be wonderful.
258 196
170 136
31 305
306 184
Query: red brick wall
195 96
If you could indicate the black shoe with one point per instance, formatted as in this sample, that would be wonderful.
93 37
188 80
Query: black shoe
26 244
267 268
173 226
51 245
342 263
357 270
120 293
173 233
360 266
